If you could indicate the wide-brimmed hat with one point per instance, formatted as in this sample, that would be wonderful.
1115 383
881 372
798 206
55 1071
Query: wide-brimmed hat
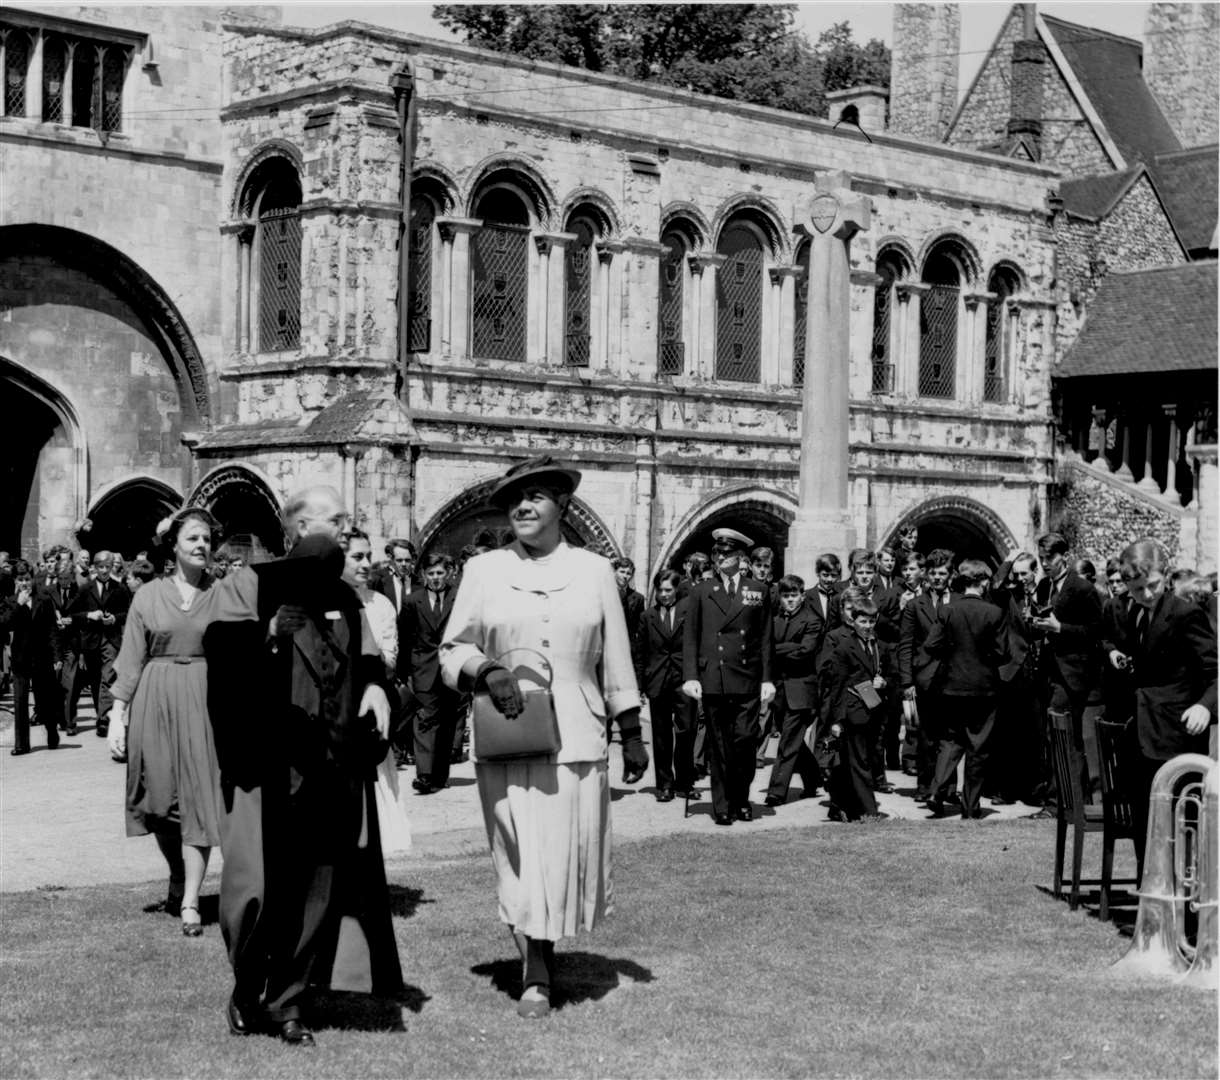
167 526
540 470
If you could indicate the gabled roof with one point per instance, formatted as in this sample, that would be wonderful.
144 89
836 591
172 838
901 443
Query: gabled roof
1189 185
1095 196
1109 70
1148 321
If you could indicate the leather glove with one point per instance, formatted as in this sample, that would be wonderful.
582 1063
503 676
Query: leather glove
635 757
502 688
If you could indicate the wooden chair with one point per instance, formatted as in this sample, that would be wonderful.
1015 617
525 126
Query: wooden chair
1119 818
1074 807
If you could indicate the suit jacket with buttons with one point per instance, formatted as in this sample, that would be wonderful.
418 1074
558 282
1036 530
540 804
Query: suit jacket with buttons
796 652
848 664
659 666
115 600
425 630
727 646
970 640
1071 656
918 618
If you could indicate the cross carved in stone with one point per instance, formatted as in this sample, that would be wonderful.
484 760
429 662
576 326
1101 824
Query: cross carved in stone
835 210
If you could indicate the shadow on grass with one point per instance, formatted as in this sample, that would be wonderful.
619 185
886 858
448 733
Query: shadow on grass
362 1012
580 976
1124 905
404 901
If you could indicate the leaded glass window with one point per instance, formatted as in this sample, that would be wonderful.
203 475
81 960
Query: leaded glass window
671 350
499 259
419 274
938 329
578 291
739 305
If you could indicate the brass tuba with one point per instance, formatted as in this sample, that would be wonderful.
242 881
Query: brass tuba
1180 873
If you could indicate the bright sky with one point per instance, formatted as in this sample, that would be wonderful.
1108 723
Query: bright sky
868 18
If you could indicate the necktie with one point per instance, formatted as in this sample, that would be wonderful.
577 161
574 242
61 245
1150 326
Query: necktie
100 590
436 602
1141 626
730 588
669 620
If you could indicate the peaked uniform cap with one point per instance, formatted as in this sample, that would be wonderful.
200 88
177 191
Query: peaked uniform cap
731 536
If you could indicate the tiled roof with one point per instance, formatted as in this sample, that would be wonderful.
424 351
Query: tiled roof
272 433
1110 72
1190 187
1094 196
1148 321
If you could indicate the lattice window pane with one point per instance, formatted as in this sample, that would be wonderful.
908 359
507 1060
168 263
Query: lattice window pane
84 68
883 308
499 259
16 68
54 67
279 316
739 307
114 66
578 277
671 351
993 353
938 341
419 275
800 322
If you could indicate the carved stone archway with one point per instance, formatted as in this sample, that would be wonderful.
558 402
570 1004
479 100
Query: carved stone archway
965 526
243 500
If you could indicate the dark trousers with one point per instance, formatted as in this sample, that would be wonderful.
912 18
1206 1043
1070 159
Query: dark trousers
45 688
732 738
968 726
99 677
851 783
71 683
927 742
673 740
402 723
792 754
435 722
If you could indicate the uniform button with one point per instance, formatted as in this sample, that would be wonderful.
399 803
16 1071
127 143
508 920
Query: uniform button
742 633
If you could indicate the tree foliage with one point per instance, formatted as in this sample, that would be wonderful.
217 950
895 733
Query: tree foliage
748 52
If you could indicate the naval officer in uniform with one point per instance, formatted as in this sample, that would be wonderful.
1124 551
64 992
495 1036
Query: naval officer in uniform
726 663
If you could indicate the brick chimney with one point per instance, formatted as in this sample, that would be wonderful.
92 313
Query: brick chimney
1028 67
1181 43
869 100
923 69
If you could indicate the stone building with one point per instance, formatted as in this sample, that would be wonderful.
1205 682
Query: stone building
608 271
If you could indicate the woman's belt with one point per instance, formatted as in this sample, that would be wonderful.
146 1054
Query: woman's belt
177 659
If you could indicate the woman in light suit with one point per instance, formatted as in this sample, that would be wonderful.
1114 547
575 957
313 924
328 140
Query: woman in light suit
548 818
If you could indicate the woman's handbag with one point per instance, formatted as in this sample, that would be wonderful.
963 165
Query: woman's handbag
534 732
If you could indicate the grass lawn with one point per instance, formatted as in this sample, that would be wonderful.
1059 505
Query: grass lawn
890 950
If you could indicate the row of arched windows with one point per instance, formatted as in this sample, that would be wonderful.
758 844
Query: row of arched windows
505 240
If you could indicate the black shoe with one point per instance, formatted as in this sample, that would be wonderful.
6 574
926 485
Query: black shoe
773 800
1046 813
690 794
424 787
884 788
16 751
241 1019
70 729
744 813
835 814
922 795
101 731
937 807
724 819
292 1032
665 795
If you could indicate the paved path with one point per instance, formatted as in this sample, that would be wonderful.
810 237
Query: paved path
61 815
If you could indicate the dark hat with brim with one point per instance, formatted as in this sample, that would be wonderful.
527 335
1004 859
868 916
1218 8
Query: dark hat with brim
299 576
542 471
725 538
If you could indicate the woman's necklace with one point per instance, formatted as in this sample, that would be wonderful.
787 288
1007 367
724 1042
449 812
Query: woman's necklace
186 592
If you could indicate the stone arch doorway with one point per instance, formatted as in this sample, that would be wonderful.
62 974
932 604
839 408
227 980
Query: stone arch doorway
123 517
42 463
242 499
464 518
966 527
761 514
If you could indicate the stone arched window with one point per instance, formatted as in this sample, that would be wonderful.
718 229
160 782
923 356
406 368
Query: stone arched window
499 270
17 49
800 321
938 322
883 356
419 272
671 318
1001 332
579 268
739 295
270 309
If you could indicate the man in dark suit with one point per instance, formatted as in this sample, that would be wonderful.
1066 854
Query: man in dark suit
890 605
1017 741
795 633
970 641
29 619
823 598
59 594
1172 657
98 613
633 603
1068 619
726 663
659 673
1118 690
395 582
916 672
425 613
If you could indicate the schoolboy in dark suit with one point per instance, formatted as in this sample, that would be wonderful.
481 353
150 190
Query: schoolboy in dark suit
824 596
970 640
29 619
425 613
795 631
726 663
98 612
858 670
1172 658
659 673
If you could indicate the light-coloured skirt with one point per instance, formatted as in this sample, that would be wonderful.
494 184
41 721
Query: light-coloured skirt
549 830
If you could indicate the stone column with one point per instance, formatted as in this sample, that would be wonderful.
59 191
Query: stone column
457 232
642 288
610 318
1171 456
538 303
552 247
1148 481
1123 472
245 267
1204 504
906 335
705 360
823 519
69 56
785 325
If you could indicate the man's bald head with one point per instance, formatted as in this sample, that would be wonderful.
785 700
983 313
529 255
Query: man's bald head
313 511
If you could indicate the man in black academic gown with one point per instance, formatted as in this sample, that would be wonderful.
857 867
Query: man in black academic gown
299 708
